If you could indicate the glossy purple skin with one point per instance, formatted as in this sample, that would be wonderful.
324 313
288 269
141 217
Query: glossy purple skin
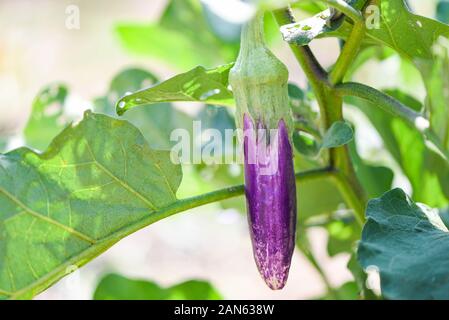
271 203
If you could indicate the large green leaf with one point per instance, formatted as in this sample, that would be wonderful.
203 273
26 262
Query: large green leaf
47 116
116 287
408 244
198 84
97 182
339 134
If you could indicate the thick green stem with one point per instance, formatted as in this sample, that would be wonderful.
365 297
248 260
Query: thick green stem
349 53
234 191
346 178
395 108
346 9
309 64
331 110
385 102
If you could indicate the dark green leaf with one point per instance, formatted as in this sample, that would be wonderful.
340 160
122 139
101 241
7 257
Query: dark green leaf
339 134
199 84
408 244
444 215
97 182
116 287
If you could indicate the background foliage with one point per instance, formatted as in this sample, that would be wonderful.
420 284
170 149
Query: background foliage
77 188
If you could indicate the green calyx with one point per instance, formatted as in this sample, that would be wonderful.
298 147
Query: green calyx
259 80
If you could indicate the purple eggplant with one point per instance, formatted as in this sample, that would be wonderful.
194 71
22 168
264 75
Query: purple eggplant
271 199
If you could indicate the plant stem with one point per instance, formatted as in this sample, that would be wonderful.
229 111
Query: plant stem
331 110
345 178
394 107
349 53
309 64
385 102
235 191
346 9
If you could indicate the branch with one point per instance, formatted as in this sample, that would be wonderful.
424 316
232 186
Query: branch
395 108
309 64
345 8
385 102
331 110
235 191
349 53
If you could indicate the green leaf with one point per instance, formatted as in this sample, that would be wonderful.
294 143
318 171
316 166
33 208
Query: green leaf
157 122
303 32
424 42
97 182
198 84
117 287
426 170
47 117
341 133
181 29
375 179
408 244
306 144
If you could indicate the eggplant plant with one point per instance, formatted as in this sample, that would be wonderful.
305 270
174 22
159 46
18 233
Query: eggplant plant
98 180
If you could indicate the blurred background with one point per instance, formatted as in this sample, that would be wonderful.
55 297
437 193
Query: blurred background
42 46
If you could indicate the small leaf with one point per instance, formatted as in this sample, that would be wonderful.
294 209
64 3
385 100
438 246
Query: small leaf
199 84
408 244
339 134
117 287
302 33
